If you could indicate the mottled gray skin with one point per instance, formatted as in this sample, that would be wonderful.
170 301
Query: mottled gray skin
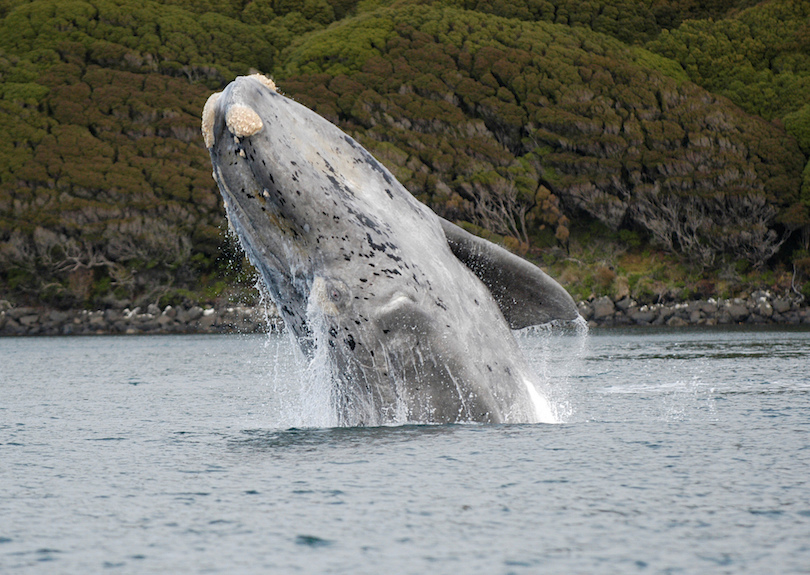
371 279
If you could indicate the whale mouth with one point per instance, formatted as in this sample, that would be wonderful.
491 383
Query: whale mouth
235 128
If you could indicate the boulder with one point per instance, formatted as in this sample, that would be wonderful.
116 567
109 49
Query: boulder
12 326
642 315
763 308
29 320
585 310
164 320
207 321
709 307
737 310
625 303
58 316
17 312
603 308
112 315
189 315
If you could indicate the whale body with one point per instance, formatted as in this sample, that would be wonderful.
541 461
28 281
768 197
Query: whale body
412 314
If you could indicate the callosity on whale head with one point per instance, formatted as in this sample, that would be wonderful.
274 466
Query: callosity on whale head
412 313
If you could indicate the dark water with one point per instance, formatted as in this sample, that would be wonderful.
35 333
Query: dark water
680 452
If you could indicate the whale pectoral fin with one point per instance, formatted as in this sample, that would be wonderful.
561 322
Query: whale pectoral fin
524 293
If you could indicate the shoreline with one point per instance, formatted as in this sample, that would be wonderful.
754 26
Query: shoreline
34 321
759 308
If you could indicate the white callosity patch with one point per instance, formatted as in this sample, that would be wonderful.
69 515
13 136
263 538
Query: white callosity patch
264 80
208 117
243 121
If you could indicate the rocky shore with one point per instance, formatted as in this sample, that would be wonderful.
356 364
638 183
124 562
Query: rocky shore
151 320
760 307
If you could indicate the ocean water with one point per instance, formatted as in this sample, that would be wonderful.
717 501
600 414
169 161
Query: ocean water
678 451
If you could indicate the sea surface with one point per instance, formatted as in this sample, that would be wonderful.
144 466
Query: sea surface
680 451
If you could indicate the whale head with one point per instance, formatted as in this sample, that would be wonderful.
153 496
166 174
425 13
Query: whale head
413 312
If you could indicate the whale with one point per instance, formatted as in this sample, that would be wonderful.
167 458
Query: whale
412 316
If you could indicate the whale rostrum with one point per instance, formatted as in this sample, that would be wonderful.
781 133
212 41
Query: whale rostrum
411 313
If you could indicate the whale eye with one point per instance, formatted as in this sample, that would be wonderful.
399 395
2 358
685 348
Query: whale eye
333 293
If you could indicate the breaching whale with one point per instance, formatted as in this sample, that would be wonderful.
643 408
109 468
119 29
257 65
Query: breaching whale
411 312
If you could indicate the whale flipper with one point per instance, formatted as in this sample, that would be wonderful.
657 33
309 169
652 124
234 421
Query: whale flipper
524 293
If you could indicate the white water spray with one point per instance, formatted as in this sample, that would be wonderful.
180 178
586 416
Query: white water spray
304 392
552 351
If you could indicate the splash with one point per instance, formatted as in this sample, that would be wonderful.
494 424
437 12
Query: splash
553 351
311 391
543 410
319 385
580 325
300 389
307 390
686 399
304 391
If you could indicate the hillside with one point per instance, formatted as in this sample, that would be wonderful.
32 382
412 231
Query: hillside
572 132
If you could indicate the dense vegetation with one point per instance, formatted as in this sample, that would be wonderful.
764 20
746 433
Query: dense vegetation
630 144
760 60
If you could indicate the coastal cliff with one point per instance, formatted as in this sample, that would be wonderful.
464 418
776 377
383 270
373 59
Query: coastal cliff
662 144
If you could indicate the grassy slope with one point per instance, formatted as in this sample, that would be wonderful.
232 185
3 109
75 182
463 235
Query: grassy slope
105 189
